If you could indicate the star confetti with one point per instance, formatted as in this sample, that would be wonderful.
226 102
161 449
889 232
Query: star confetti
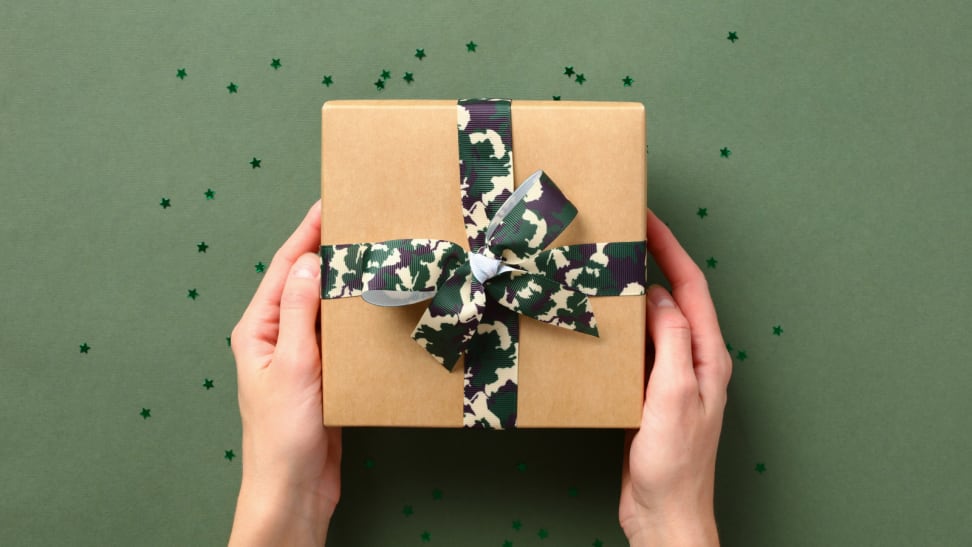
181 74
385 74
146 413
543 533
728 347
260 267
741 355
521 467
254 163
437 494
507 543
229 455
711 262
369 463
210 194
703 212
627 81
420 54
580 79
229 341
556 97
328 80
517 525
725 152
201 247
597 543
760 468
426 536
408 77
732 37
275 64
407 510
193 293
778 330
166 203
232 87
572 492
379 84
85 347
471 46
208 384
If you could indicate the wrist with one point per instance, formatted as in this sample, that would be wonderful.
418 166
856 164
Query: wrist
279 515
655 529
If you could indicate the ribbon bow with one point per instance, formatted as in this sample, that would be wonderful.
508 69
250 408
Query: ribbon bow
508 231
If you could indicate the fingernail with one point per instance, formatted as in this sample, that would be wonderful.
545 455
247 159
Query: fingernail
659 297
306 268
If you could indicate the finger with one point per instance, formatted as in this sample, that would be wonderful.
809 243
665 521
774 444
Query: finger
260 318
672 382
299 304
691 292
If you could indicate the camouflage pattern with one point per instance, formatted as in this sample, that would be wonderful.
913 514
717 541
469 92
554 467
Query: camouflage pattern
511 226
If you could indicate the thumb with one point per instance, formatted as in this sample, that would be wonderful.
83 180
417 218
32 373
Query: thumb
672 381
299 304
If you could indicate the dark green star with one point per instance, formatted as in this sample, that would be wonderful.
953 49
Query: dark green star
193 293
210 194
201 247
254 163
229 341
208 384
732 37
572 492
521 467
85 347
369 463
328 80
711 262
741 355
166 203
517 525
385 74
420 53
728 347
407 510
232 87
380 84
229 455
760 467
543 533
507 543
181 74
471 46
275 64
627 81
725 152
146 413
426 536
597 543
778 330
260 267
408 77
437 494
556 97
568 71
580 79
702 212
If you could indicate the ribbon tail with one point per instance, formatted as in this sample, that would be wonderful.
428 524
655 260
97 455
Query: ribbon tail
544 300
451 319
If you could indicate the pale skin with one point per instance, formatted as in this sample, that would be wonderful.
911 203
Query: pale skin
291 463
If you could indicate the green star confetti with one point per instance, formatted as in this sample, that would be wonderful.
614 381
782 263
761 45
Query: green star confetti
732 37
437 494
328 80
568 71
778 330
556 97
572 492
597 543
208 384
229 455
728 346
146 413
85 347
193 293
232 87
517 525
385 74
201 247
254 163
724 152
760 468
260 267
210 194
580 79
228 341
420 54
741 355
369 463
181 74
507 543
166 203
627 81
379 84
702 212
408 77
543 533
521 467
711 262
471 46
407 510
275 64
426 536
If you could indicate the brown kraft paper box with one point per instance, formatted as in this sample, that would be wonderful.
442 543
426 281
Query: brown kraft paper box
390 170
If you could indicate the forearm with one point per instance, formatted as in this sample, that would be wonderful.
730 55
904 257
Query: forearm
278 518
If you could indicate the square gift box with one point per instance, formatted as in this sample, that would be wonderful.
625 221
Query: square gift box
390 170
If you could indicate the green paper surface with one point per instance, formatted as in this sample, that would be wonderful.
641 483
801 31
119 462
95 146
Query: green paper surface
827 144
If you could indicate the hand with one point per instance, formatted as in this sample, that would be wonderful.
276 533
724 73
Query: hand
291 463
669 470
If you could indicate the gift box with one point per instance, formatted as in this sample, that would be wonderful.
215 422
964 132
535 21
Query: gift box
459 293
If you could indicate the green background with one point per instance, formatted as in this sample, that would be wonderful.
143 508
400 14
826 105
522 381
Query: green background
842 215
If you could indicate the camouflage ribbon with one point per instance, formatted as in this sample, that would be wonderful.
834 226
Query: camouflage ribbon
507 231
